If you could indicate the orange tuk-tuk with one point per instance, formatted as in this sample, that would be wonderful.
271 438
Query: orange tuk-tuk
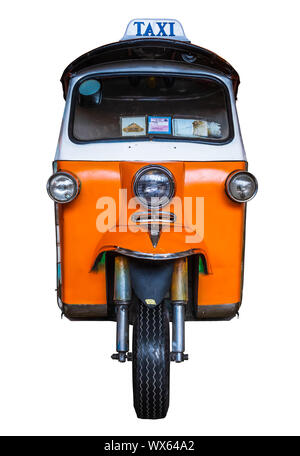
150 185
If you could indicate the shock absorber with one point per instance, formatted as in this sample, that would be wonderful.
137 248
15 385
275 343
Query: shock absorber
122 299
179 297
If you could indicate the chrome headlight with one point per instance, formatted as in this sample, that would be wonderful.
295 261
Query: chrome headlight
154 186
63 187
241 186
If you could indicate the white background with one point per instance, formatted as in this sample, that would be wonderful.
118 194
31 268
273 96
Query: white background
56 376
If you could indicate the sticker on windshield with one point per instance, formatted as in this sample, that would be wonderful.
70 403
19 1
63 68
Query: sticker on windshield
161 125
133 126
191 128
214 129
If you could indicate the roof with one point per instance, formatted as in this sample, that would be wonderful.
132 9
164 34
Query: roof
151 49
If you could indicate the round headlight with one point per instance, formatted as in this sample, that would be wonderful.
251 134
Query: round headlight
241 186
62 187
154 186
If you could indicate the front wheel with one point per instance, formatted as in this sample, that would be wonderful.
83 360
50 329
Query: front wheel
151 361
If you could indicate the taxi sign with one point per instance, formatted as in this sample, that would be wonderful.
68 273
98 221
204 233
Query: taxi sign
155 28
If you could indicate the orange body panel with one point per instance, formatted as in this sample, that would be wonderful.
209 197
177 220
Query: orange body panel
223 235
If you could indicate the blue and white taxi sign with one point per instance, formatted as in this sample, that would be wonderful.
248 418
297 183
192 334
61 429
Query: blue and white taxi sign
155 28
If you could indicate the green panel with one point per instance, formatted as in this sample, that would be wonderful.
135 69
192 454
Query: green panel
101 263
201 266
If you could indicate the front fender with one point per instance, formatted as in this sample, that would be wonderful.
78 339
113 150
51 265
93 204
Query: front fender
150 280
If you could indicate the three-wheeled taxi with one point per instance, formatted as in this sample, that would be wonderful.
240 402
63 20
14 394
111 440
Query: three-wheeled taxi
150 184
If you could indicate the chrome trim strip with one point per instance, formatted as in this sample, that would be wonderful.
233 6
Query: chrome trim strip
153 217
158 256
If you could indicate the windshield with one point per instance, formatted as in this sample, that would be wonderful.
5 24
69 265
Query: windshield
148 107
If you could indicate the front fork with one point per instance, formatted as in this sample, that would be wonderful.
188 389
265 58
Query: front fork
179 298
122 300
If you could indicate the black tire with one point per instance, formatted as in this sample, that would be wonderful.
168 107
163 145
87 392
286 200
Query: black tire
151 361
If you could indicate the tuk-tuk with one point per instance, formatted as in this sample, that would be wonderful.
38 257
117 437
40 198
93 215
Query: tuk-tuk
150 185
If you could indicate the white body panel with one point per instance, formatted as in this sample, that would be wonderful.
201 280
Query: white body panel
146 150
